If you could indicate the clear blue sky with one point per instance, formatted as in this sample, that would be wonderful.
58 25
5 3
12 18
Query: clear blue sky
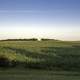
58 19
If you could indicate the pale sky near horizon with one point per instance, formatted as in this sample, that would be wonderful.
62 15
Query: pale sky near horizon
58 19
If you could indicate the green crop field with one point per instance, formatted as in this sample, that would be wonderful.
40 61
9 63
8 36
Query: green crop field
40 60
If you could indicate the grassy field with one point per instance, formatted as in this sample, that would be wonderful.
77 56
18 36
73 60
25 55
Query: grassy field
38 75
40 60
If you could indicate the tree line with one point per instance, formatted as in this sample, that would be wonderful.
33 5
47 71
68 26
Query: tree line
31 39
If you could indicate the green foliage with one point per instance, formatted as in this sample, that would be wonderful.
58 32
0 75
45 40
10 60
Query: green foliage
52 55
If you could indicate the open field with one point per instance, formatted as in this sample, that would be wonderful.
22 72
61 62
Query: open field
40 60
38 75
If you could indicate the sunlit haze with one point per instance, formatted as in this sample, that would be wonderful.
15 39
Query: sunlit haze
55 19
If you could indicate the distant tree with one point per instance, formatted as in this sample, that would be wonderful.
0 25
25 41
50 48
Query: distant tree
31 39
46 39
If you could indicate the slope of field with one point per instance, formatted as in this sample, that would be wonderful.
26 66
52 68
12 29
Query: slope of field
59 55
39 60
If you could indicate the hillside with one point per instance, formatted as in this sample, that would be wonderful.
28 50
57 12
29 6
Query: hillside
52 55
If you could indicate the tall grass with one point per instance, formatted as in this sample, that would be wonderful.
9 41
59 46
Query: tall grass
52 55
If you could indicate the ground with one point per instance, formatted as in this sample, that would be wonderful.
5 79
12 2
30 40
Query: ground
63 54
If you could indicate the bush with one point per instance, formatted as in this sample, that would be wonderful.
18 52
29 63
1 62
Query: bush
4 61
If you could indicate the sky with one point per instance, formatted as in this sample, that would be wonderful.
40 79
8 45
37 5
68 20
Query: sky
55 19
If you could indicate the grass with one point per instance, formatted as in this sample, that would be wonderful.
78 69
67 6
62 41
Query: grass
38 75
41 60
